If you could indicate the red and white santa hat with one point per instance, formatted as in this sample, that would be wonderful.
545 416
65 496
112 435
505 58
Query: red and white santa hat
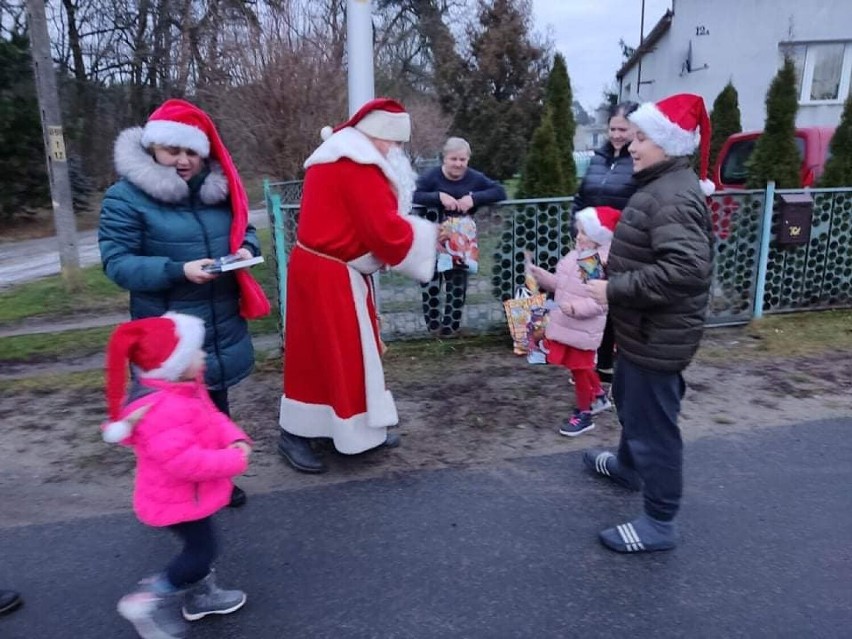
182 124
598 222
381 118
678 124
158 348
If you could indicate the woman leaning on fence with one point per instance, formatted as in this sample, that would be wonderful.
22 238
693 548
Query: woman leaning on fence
456 191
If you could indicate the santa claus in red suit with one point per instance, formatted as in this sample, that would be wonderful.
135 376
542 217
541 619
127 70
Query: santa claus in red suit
354 220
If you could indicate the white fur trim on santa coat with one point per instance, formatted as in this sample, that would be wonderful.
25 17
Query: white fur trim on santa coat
420 260
171 133
592 227
134 163
190 331
360 432
671 138
351 144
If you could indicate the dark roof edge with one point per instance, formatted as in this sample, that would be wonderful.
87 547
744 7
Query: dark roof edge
648 43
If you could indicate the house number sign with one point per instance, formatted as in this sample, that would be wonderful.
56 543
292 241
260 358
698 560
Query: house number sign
57 143
701 30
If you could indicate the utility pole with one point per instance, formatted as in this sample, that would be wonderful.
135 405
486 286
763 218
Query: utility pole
54 145
359 51
641 53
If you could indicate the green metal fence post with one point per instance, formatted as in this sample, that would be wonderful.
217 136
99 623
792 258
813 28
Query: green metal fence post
763 257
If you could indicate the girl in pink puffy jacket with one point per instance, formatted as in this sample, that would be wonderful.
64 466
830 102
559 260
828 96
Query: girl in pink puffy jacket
575 328
187 453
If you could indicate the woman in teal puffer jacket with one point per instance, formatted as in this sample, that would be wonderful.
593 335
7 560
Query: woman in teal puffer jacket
179 203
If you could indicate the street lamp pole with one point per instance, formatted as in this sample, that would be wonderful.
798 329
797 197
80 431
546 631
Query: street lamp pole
359 48
641 53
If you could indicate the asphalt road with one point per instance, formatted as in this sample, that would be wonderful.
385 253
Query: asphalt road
29 260
506 552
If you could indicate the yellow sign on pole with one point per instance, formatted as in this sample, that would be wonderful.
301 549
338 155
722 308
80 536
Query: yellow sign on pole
57 143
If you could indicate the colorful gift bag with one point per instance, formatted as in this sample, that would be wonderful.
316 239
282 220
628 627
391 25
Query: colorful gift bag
461 249
536 343
518 313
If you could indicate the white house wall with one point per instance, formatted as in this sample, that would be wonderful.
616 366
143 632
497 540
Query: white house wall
738 40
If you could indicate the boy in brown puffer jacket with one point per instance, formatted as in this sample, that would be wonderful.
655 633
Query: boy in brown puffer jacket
659 275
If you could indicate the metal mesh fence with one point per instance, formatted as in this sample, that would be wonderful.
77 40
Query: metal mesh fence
816 275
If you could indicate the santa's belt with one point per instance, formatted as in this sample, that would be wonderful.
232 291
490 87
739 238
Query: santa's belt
366 264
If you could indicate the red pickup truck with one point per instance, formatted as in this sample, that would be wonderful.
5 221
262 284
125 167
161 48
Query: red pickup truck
730 172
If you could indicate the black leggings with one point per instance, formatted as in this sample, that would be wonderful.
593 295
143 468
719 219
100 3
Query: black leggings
200 549
454 282
606 352
220 400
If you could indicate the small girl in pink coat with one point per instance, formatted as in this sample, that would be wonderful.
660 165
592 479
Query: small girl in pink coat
575 328
187 453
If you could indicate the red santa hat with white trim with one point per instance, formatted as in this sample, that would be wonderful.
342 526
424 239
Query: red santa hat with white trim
381 118
182 124
679 125
158 348
598 222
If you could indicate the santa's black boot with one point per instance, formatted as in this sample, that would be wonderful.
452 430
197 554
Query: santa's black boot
299 454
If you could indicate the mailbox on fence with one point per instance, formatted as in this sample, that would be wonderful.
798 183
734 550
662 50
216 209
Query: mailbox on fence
796 210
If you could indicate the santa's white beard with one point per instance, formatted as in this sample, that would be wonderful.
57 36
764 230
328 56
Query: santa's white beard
404 178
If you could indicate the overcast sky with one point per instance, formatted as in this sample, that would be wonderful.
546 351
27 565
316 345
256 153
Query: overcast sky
587 32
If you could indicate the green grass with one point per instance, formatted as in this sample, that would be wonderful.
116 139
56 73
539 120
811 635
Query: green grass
47 298
790 335
52 346
79 381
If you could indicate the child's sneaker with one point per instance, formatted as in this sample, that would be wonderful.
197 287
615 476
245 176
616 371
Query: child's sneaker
579 423
153 615
601 404
207 598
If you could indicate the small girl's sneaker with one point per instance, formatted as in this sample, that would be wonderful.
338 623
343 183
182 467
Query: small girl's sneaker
207 598
579 423
601 404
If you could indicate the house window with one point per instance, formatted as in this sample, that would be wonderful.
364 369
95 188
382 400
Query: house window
627 88
823 70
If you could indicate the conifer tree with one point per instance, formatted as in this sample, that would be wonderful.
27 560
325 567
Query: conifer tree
25 181
838 168
500 91
542 175
559 100
775 155
724 120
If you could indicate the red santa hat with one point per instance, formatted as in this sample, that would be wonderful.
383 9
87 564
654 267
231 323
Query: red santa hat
158 347
678 124
598 222
380 118
182 124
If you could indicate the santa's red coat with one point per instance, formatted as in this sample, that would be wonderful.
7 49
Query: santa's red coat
348 228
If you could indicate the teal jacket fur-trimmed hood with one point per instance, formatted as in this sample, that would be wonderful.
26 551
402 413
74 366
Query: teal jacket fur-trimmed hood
153 222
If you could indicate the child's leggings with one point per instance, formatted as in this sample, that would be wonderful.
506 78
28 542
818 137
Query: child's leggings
200 548
587 386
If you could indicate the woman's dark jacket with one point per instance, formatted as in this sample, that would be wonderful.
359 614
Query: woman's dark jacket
608 180
152 223
660 268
